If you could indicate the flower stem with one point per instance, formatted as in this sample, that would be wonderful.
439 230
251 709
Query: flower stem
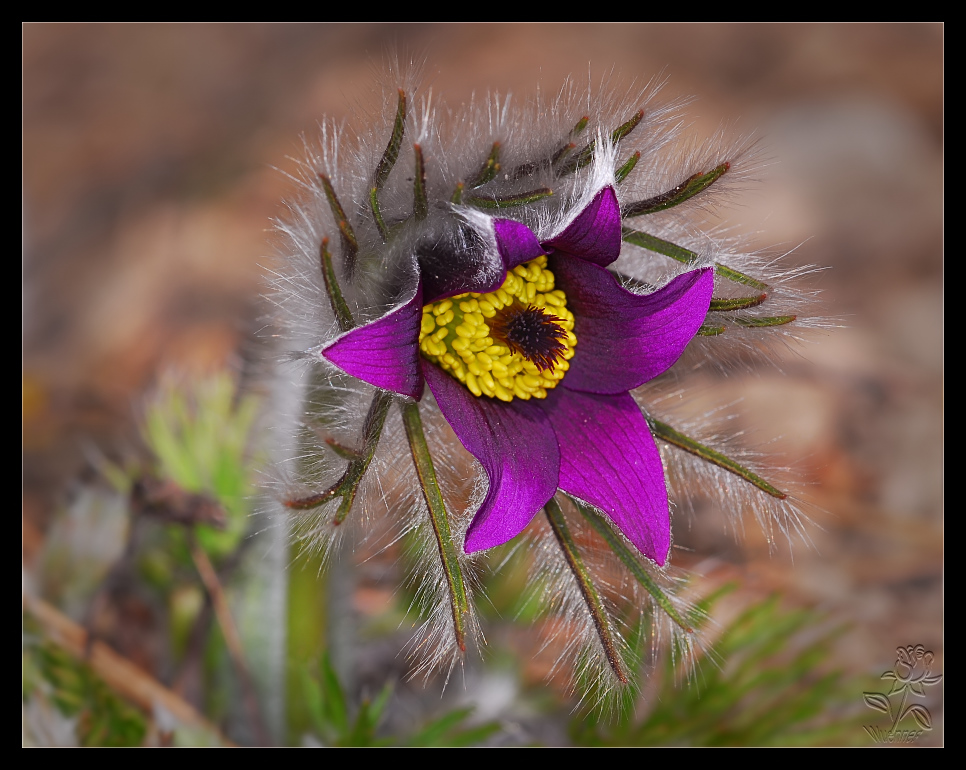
681 254
666 433
594 604
347 486
684 191
343 316
440 521
632 563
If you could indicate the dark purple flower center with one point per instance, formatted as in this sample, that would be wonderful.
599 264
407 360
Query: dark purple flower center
528 330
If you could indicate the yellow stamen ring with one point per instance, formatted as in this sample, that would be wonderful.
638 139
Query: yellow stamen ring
455 334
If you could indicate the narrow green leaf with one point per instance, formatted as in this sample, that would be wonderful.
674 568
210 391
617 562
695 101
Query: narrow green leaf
659 245
457 194
386 163
563 152
666 433
437 513
621 174
347 486
677 195
489 170
707 330
765 321
685 256
737 303
391 154
619 547
420 201
334 700
509 201
586 155
312 694
380 703
377 213
437 729
371 431
733 275
345 452
343 315
472 736
350 246
587 588
625 128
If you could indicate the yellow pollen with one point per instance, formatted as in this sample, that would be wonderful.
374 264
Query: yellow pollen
455 333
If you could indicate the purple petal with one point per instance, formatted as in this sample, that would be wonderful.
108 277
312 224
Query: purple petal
384 353
595 235
626 339
516 242
516 447
608 458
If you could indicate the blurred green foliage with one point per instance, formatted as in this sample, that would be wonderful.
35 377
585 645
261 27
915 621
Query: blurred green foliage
201 438
335 725
767 683
99 717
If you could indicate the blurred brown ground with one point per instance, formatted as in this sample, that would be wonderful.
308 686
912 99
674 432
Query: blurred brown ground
151 157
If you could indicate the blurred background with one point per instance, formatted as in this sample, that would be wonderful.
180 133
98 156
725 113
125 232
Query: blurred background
154 160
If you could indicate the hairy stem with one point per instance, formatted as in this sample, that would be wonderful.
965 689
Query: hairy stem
420 201
347 486
674 437
592 599
621 174
489 170
343 316
676 195
509 201
632 563
440 521
386 163
686 256
350 246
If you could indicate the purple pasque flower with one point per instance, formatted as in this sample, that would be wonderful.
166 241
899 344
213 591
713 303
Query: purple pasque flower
578 329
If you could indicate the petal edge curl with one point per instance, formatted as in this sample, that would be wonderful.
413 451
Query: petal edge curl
595 234
516 243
